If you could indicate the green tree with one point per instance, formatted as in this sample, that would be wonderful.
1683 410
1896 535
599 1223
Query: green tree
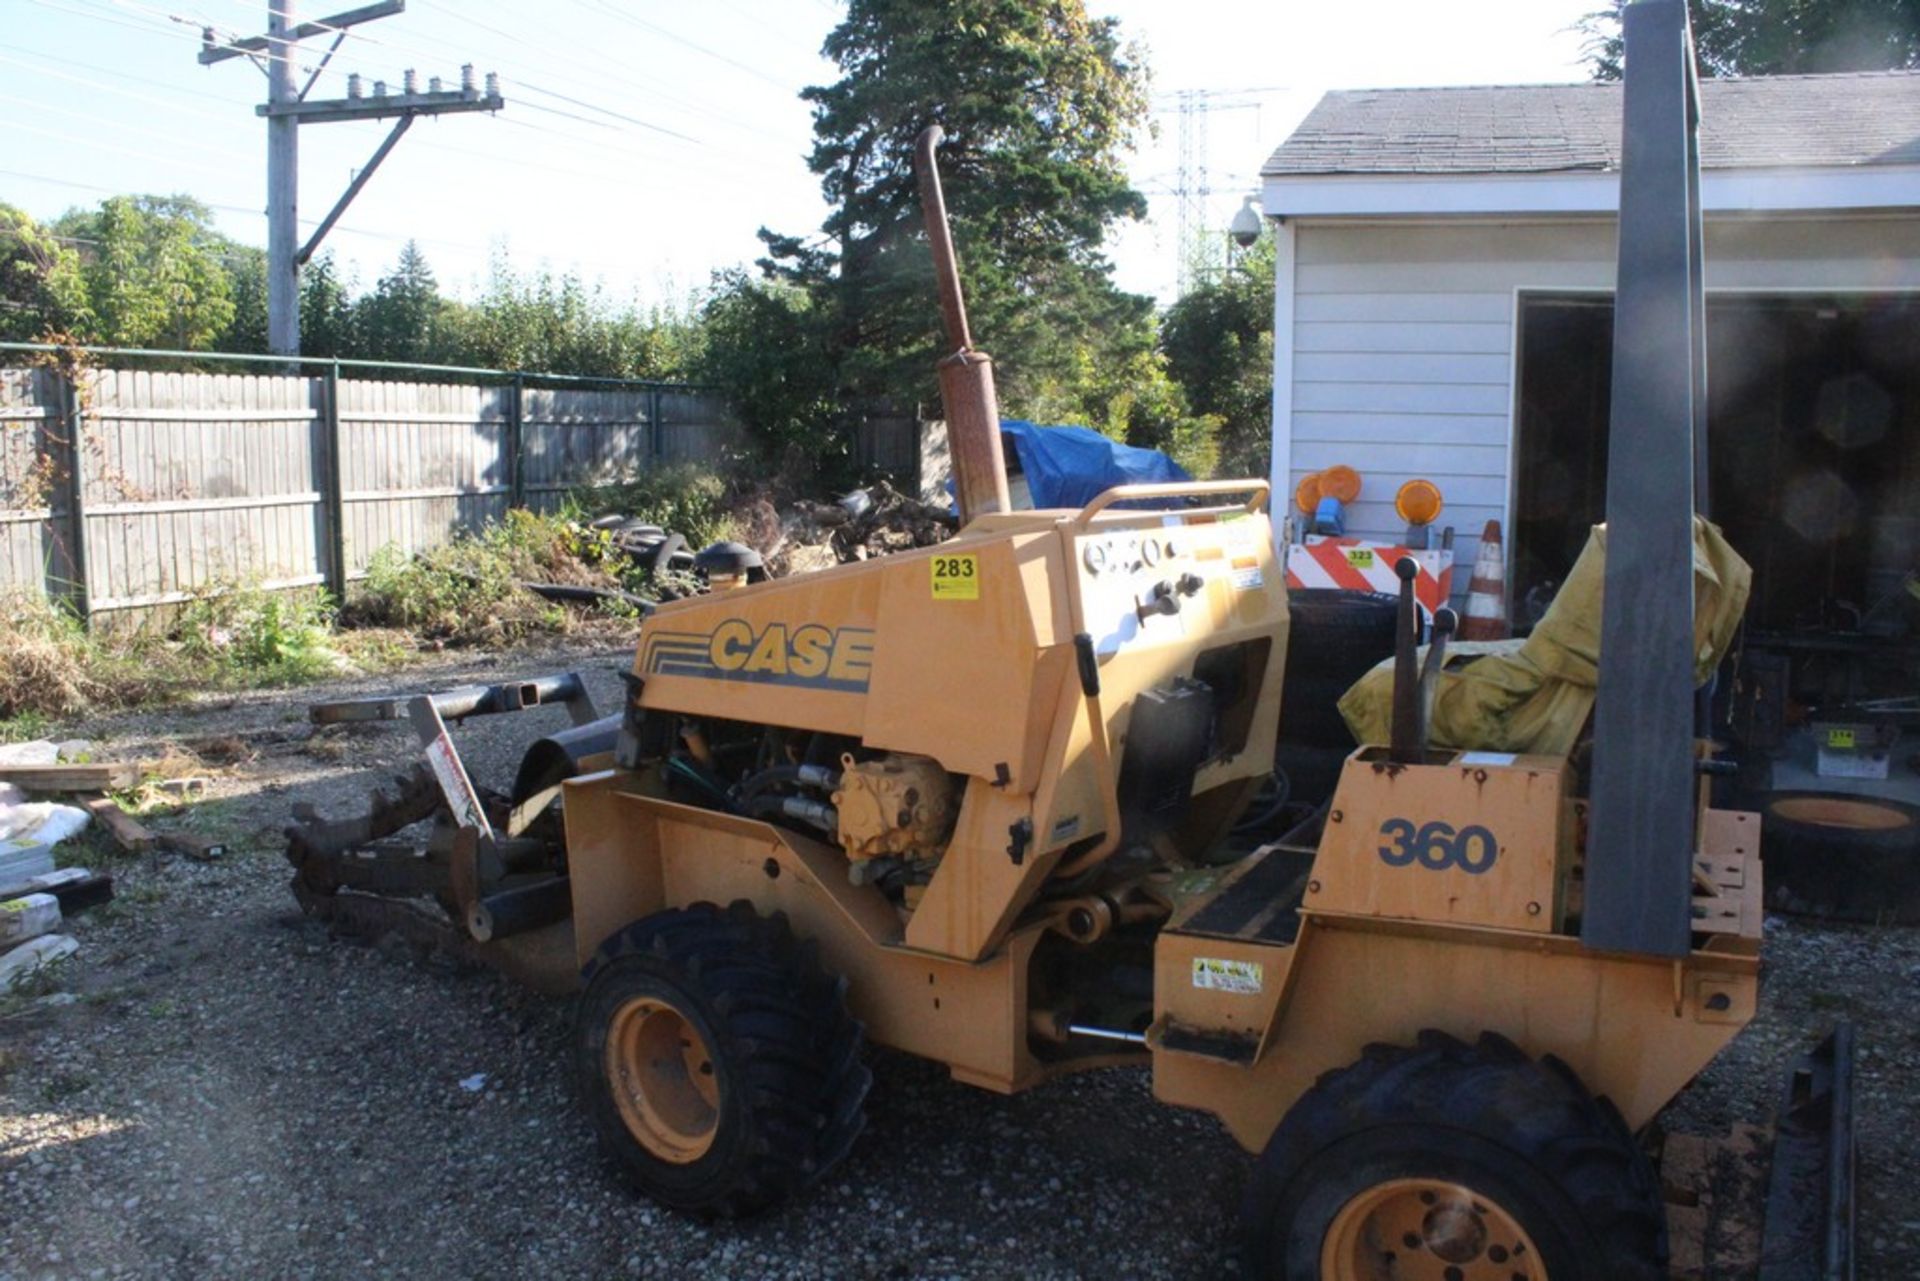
403 318
1040 104
247 271
326 310
561 324
42 291
1777 37
763 343
1218 343
153 272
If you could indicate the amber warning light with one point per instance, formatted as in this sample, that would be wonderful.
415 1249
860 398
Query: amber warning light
1418 502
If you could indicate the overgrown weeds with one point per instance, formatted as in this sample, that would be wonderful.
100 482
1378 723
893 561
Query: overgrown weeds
466 592
270 638
237 635
49 666
228 637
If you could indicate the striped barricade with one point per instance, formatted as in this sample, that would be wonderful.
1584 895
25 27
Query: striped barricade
1362 566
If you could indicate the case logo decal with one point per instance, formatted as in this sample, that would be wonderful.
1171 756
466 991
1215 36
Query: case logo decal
808 656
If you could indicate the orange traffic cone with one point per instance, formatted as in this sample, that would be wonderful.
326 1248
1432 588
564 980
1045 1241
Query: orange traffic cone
1486 617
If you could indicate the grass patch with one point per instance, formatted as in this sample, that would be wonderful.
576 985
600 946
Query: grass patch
26 726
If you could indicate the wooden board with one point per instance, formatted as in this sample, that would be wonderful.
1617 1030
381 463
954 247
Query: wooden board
77 890
124 829
108 777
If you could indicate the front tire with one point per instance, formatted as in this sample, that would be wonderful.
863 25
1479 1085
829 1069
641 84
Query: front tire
717 1062
1455 1163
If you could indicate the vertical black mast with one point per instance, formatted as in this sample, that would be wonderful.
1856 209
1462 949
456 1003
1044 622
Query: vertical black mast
1641 842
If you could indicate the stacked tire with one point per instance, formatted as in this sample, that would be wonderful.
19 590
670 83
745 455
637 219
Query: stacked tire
1840 856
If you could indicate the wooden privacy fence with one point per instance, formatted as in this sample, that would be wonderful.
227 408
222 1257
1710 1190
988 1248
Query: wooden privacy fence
123 490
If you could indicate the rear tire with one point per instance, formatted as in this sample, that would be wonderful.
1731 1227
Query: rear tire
1452 1161
718 1063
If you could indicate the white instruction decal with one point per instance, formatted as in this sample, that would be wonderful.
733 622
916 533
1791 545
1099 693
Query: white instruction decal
1503 760
1227 976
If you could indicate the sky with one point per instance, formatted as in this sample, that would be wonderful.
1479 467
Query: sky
643 143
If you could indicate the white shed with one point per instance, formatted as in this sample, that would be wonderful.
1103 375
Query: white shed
1443 309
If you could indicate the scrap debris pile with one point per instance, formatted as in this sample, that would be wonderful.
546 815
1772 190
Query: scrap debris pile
630 563
876 521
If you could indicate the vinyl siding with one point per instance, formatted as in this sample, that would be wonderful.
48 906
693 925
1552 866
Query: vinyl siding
1402 355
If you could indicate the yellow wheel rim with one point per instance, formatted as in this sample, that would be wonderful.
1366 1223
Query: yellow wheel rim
663 1080
1427 1230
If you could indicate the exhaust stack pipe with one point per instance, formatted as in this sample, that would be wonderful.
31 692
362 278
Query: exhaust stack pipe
966 376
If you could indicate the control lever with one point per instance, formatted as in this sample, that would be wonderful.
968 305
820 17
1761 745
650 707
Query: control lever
1445 623
1160 599
1409 736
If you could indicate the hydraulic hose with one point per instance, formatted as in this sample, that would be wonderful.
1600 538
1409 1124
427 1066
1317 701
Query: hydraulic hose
801 809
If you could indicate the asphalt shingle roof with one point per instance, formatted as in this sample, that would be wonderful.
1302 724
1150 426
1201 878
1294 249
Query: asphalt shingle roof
1867 118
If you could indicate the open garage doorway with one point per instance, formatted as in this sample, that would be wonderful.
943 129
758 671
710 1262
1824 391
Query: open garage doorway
1814 473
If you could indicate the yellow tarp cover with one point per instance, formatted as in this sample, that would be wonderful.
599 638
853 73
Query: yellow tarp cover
1534 695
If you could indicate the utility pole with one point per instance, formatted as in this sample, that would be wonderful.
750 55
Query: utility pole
283 187
287 109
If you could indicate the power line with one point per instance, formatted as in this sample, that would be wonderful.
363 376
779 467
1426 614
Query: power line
109 18
363 232
98 66
519 82
108 87
98 145
615 177
163 25
619 79
223 152
659 30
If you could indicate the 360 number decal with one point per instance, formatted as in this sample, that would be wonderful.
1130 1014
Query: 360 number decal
1437 846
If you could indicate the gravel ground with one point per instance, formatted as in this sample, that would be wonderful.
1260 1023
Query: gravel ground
220 1089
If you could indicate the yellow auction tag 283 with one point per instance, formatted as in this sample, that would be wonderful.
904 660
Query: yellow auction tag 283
956 577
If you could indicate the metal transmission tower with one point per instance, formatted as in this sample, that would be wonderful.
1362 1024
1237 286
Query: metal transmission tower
1198 247
286 109
1190 186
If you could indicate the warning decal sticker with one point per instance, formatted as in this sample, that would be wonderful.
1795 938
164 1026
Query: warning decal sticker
1221 975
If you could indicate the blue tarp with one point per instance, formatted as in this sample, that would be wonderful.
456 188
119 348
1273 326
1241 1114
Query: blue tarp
1070 466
